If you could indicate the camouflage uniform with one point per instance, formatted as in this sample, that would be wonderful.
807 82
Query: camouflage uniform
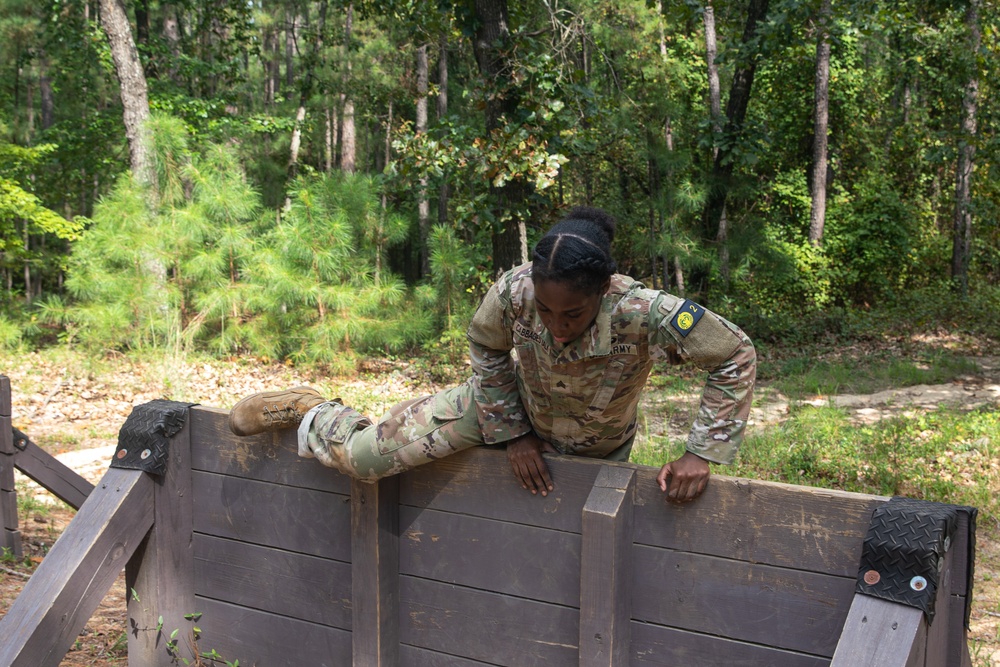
582 397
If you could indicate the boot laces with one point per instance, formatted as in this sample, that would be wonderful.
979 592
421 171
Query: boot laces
282 414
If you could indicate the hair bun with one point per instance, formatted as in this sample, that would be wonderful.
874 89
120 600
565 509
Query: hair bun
599 217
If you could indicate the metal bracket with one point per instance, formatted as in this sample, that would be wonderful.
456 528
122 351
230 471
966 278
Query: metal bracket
904 550
144 439
21 441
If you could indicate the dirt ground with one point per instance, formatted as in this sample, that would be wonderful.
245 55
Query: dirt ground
74 413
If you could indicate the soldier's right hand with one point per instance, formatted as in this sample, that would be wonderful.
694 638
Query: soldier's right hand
525 456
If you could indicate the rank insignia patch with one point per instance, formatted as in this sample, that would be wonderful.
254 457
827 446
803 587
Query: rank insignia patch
687 317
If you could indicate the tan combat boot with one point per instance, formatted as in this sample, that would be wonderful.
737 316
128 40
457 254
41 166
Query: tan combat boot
272 410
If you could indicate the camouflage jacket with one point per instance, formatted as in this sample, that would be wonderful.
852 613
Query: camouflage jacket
583 396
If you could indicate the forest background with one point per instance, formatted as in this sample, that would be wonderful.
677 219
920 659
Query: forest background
311 181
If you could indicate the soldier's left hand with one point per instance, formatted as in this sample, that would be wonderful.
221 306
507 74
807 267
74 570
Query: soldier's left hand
684 479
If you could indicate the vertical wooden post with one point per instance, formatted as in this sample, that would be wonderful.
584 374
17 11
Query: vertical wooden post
161 572
879 633
10 536
960 559
606 570
375 572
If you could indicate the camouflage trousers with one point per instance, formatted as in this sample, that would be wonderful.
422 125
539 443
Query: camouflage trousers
409 434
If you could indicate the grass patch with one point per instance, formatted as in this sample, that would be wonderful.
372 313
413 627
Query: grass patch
27 504
800 377
944 456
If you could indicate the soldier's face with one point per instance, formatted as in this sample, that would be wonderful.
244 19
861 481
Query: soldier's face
566 312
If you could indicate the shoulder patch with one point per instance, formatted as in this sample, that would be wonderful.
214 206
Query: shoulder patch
687 317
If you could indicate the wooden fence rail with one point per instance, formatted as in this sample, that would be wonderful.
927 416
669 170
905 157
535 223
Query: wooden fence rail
279 561
17 451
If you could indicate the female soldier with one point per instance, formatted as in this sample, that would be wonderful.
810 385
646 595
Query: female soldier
561 349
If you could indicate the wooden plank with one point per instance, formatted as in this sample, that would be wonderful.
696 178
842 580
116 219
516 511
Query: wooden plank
295 519
658 646
161 572
762 522
763 604
312 589
960 560
268 457
781 524
68 585
879 633
8 510
606 570
10 536
411 656
509 558
258 638
477 625
5 402
11 540
456 483
958 637
63 482
375 572
7 465
942 627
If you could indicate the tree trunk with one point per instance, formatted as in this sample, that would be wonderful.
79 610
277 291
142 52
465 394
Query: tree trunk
172 33
45 88
142 35
423 206
715 111
348 139
388 154
132 84
442 111
736 109
817 217
331 136
714 90
29 104
654 188
272 66
305 94
962 233
142 22
491 45
28 289
291 23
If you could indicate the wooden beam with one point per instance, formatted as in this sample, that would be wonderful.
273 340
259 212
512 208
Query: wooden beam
606 570
375 572
879 633
162 570
85 561
10 536
63 482
960 559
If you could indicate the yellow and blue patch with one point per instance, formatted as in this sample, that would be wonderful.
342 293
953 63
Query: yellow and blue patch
686 317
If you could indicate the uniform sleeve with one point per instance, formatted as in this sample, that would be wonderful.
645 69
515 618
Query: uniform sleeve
683 331
502 416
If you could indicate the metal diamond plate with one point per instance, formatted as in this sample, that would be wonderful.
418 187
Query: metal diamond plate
904 551
144 439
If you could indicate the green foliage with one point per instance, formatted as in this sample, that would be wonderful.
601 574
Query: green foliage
921 456
611 110
204 266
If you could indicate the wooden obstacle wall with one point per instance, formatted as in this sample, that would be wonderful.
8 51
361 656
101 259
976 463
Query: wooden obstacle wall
286 562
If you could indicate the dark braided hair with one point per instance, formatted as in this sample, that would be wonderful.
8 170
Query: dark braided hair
577 251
